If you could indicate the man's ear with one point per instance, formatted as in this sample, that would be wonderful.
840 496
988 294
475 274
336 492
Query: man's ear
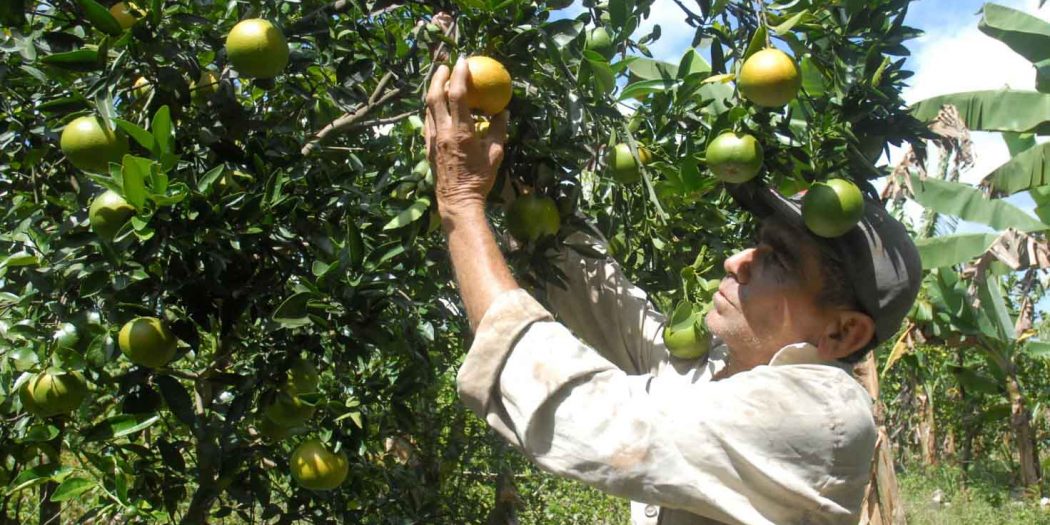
847 332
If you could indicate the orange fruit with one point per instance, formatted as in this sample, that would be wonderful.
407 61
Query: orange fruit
599 41
90 145
125 13
206 86
624 168
489 89
531 217
49 394
141 88
769 78
108 213
146 341
316 467
734 158
832 208
257 48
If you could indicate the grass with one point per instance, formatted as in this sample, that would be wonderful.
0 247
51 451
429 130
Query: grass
986 499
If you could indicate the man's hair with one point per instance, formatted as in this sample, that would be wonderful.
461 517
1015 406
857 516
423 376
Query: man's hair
837 291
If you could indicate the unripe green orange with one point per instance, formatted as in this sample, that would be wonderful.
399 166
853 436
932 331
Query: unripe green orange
832 208
531 217
90 145
624 168
146 341
108 213
316 467
49 394
734 158
257 48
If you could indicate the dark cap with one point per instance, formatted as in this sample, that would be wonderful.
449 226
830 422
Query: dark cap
878 256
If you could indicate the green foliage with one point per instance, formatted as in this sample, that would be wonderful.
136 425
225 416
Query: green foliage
288 218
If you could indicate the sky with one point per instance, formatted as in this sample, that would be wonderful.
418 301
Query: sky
952 56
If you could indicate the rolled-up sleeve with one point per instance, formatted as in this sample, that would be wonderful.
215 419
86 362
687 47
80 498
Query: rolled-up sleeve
749 449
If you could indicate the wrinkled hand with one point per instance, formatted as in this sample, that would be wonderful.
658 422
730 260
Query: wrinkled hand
464 166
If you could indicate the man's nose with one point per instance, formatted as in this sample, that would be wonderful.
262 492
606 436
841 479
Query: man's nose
740 265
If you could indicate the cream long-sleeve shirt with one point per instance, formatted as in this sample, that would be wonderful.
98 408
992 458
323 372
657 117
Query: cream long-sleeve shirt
598 398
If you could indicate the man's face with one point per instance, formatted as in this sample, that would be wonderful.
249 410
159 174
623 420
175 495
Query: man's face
769 297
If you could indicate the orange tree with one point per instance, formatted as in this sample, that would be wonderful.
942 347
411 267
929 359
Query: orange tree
271 217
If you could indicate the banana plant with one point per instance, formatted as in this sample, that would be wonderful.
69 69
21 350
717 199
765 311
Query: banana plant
981 286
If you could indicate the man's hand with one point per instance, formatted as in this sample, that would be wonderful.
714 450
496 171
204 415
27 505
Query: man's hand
464 165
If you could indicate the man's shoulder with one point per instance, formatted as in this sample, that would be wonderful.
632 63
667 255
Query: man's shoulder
809 397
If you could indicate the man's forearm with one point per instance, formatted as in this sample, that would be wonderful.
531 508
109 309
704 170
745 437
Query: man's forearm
481 270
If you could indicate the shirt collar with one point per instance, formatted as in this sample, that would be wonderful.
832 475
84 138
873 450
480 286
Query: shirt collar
803 354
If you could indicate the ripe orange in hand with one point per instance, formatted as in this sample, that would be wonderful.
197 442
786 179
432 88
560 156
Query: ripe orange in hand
489 88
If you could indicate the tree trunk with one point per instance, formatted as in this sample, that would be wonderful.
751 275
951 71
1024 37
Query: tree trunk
1020 423
882 501
927 425
51 511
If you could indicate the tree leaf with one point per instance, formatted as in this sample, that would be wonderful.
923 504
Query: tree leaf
1037 349
644 87
649 69
177 398
292 312
998 110
100 17
80 60
409 215
162 132
787 25
758 42
71 488
692 64
967 203
1024 171
1027 35
136 132
119 426
207 179
133 179
994 307
949 250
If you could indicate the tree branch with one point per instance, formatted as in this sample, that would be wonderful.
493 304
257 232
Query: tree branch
348 119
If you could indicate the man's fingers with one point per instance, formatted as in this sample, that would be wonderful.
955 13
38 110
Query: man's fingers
437 101
457 95
428 131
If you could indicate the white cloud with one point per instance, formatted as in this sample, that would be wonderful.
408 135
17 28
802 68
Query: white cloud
956 57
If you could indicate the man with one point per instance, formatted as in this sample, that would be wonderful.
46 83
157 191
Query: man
770 428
